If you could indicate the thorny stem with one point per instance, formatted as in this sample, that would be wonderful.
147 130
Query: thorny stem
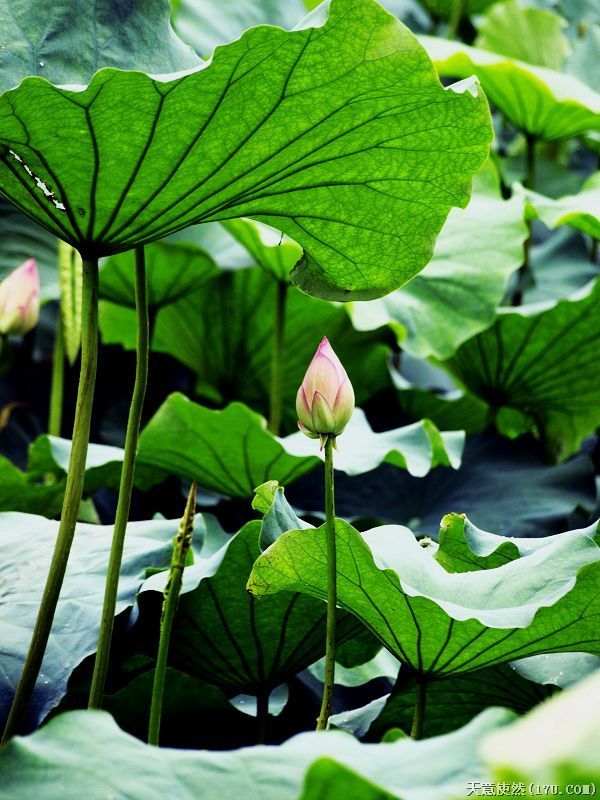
331 588
126 483
70 508
275 398
419 715
171 598
58 381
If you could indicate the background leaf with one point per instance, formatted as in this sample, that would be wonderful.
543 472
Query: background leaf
456 295
545 103
27 543
437 768
228 451
229 321
534 35
39 37
223 636
535 367
501 485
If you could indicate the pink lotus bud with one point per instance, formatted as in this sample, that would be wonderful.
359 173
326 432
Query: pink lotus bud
325 401
20 299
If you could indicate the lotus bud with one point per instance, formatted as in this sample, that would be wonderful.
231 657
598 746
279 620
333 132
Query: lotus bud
20 300
325 401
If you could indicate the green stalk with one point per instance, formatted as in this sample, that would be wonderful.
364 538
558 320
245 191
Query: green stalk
57 384
126 483
275 398
529 182
419 715
456 15
331 588
171 598
262 716
72 499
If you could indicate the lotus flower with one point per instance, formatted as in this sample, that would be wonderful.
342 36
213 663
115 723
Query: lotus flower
20 299
325 401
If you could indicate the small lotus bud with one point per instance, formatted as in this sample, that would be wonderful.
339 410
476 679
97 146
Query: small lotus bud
20 299
325 401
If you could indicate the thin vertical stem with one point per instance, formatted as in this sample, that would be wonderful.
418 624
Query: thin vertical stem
530 165
57 384
275 398
456 15
126 483
529 182
419 715
171 598
72 499
262 716
331 588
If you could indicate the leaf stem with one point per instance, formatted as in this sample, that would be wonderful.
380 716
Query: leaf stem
171 598
126 483
57 384
524 273
70 508
419 715
275 398
456 14
262 716
331 588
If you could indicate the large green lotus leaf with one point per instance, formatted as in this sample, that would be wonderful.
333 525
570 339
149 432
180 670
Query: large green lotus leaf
442 623
224 636
502 485
580 211
536 367
227 451
534 35
450 703
232 452
81 744
457 294
67 43
320 151
533 752
463 548
417 448
21 239
27 544
230 322
539 101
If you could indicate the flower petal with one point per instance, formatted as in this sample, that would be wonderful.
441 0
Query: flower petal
323 420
